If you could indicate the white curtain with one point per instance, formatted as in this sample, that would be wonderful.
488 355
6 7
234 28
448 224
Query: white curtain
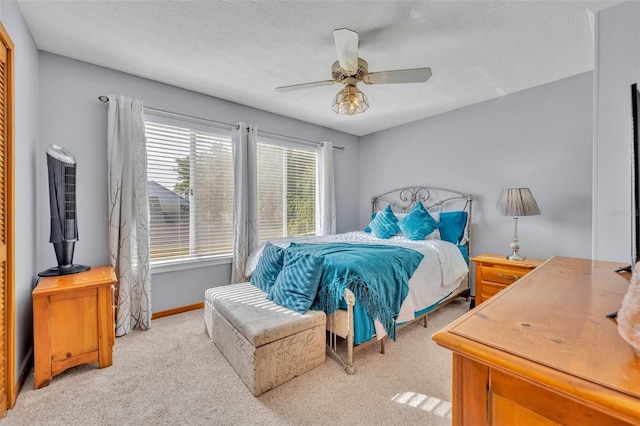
129 213
326 190
245 202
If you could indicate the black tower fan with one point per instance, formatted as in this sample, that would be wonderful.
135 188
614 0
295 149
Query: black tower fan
62 202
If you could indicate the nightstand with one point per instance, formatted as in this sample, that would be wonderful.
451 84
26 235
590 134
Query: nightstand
73 321
494 272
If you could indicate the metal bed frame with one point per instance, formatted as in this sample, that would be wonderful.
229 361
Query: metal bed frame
402 200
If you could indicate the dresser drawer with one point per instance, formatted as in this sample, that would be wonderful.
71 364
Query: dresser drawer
502 274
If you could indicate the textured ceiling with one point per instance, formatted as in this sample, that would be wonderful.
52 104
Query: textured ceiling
241 50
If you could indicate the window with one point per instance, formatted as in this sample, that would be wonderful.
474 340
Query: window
287 182
190 172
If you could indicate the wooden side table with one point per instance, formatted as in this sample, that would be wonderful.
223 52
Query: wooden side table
494 272
73 320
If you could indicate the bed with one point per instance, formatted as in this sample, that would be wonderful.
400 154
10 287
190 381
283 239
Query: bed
426 268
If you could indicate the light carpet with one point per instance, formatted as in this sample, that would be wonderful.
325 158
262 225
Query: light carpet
173 374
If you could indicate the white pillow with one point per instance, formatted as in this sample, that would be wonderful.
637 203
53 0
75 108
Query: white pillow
435 235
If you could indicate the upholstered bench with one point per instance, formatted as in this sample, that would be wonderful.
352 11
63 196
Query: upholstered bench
265 343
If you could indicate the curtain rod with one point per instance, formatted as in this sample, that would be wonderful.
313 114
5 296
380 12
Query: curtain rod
105 99
264 132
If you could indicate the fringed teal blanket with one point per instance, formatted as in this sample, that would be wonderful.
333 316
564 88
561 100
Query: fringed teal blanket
378 276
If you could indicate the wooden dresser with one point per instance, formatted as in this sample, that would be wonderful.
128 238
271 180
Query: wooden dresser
73 322
494 272
543 352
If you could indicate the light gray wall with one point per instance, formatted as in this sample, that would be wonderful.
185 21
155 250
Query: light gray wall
539 138
26 142
617 66
71 116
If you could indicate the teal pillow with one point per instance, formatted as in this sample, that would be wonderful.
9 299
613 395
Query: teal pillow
385 224
268 268
418 223
453 225
367 229
465 253
297 283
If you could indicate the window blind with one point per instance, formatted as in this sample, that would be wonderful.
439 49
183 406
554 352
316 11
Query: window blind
190 172
287 188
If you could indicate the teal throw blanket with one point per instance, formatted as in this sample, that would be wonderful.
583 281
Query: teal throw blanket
378 276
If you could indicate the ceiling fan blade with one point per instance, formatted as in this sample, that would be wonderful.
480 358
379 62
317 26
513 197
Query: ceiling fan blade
347 47
416 75
291 88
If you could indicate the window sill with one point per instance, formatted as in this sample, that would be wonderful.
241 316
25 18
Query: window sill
180 265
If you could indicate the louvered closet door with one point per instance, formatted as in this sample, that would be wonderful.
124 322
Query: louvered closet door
5 104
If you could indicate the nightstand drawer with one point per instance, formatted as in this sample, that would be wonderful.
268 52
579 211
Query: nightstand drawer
489 289
495 272
501 274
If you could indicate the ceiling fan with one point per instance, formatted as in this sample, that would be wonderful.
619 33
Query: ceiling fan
349 70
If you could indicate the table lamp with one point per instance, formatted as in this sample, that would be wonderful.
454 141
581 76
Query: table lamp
517 202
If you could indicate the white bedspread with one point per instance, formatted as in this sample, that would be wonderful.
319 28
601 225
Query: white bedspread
440 272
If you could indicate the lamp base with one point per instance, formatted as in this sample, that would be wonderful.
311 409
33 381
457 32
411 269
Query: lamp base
515 246
516 257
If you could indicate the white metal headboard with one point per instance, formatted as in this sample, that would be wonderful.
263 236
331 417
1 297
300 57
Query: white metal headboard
435 199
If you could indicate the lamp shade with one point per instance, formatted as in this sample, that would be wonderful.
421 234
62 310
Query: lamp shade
350 101
517 202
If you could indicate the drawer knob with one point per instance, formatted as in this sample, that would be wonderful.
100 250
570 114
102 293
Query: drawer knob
511 277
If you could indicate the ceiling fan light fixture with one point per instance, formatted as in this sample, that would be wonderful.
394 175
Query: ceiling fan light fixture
350 101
